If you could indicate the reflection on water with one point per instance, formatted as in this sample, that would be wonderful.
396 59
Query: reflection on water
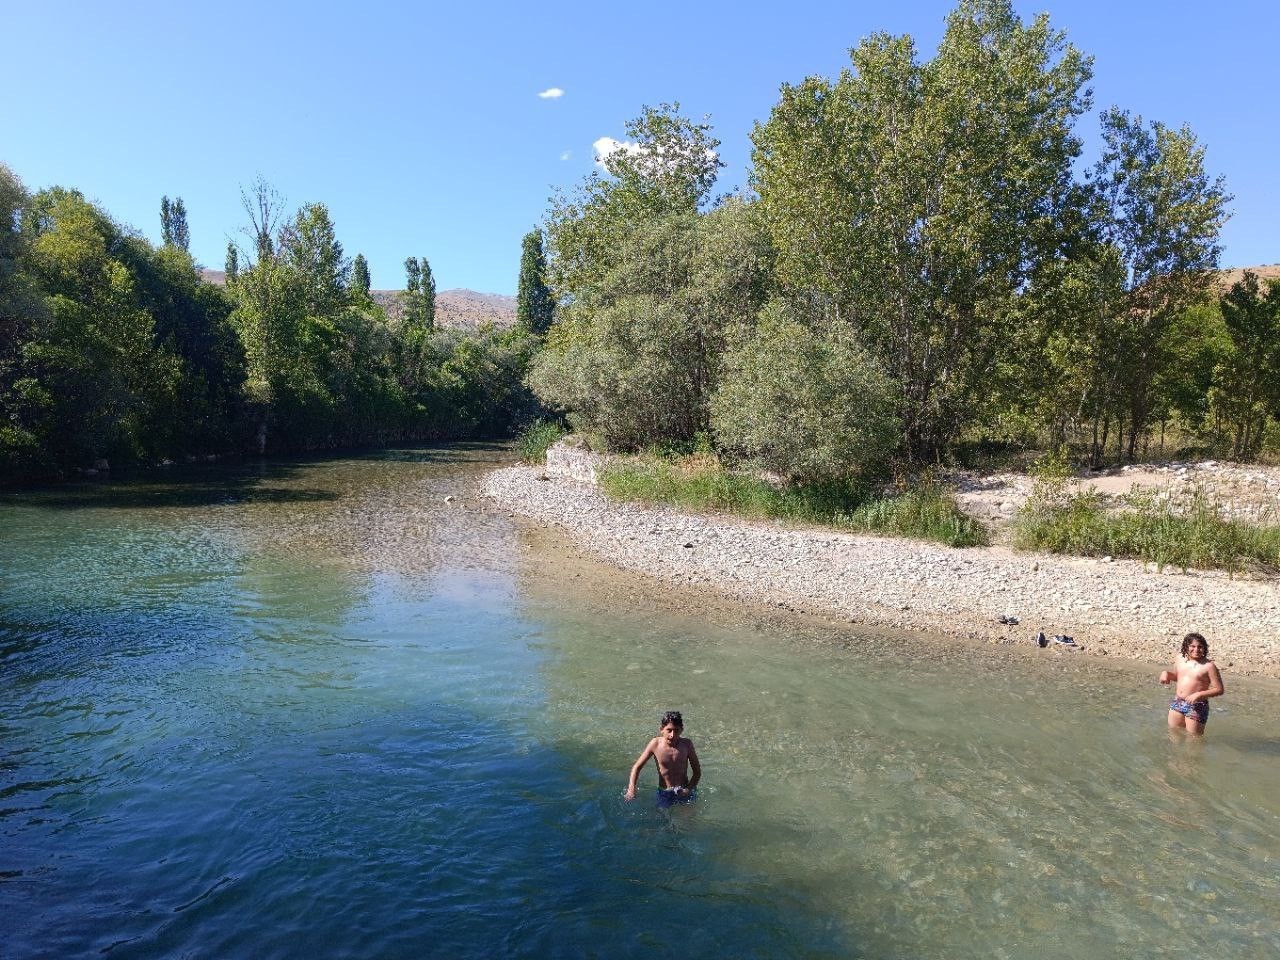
361 720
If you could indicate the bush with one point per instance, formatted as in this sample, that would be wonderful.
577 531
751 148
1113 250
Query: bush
811 405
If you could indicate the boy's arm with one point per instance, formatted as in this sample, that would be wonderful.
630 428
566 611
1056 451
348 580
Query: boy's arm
1170 676
1216 689
636 768
694 766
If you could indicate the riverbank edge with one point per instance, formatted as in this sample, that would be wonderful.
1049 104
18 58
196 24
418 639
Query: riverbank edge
1111 609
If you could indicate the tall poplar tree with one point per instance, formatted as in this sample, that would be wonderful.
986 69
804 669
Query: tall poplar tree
173 224
535 307
232 265
428 296
360 276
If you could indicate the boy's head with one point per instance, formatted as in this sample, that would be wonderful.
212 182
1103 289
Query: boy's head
672 719
1195 647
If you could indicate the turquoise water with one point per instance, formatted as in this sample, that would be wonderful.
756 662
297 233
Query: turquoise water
311 709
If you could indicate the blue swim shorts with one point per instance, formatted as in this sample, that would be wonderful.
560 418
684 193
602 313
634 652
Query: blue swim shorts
669 797
1197 711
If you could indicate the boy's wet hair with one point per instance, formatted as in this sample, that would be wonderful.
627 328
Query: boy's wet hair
672 716
1192 637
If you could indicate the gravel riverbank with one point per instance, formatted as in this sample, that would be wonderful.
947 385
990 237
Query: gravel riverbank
1118 609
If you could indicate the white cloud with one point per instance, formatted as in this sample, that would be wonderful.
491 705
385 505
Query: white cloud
551 93
605 147
566 155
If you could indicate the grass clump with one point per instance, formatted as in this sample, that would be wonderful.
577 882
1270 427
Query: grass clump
700 483
534 440
1145 527
926 512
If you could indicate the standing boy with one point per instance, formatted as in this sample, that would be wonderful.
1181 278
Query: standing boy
1197 680
674 755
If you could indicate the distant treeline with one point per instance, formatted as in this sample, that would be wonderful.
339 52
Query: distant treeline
922 264
113 349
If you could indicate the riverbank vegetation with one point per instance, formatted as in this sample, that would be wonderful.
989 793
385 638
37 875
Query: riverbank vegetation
698 482
925 263
113 351
1147 525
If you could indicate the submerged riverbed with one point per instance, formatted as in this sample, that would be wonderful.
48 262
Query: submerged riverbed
313 708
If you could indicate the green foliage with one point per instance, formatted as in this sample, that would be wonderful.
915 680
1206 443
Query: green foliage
420 294
1246 387
311 251
699 483
915 202
1148 528
231 266
173 224
360 277
534 440
925 511
650 292
808 404
535 307
111 348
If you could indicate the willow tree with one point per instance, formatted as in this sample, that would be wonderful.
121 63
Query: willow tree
649 284
914 201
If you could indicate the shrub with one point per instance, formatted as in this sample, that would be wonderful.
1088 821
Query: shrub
811 405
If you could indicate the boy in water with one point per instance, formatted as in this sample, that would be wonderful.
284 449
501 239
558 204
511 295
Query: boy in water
1197 680
674 755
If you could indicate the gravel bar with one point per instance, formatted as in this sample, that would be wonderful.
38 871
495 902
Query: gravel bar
1116 608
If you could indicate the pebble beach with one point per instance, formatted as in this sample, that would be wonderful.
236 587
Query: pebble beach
1111 608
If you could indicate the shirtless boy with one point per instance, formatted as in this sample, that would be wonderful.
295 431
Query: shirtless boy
675 756
1197 680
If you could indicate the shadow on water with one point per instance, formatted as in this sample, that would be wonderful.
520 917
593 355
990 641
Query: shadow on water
244 482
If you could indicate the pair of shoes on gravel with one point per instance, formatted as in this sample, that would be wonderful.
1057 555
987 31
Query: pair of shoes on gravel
1040 640
1011 621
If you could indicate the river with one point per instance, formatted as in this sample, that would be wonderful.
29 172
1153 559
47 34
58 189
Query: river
316 709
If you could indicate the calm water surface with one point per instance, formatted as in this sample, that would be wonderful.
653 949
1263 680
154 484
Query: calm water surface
313 710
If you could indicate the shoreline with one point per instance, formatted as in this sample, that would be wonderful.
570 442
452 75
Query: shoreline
1117 609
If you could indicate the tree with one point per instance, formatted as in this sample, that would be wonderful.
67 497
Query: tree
1246 386
360 276
428 289
263 205
668 168
916 202
173 224
535 307
1157 208
420 294
232 266
637 358
811 405
310 248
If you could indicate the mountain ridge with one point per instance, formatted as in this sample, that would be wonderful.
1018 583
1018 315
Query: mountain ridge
457 308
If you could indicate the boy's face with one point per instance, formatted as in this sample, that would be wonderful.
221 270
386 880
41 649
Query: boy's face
1196 650
670 732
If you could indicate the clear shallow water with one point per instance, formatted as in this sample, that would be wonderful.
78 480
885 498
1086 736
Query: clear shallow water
312 710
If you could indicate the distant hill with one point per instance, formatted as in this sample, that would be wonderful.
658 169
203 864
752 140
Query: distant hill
457 309
1270 272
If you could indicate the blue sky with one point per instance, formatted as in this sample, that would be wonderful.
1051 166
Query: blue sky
421 128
